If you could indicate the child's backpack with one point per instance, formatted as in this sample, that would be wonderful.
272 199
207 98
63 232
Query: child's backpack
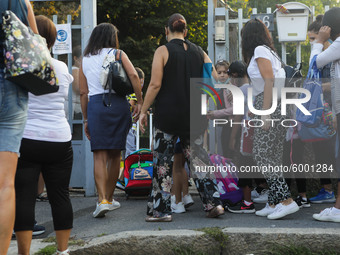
315 105
138 172
226 180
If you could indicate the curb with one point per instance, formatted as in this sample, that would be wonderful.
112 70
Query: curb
238 241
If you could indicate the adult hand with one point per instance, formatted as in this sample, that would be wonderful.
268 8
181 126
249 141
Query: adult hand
210 115
86 129
324 34
143 121
266 124
136 111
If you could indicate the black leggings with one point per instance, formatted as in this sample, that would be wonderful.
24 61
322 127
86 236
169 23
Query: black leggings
54 160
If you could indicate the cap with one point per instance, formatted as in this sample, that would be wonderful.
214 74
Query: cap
238 67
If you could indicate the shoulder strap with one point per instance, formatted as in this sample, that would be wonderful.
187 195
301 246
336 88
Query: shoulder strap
275 55
9 4
25 14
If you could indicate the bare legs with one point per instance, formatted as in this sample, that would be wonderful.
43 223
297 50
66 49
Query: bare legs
180 178
106 171
8 165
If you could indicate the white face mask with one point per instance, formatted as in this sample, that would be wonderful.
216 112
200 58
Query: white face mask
312 43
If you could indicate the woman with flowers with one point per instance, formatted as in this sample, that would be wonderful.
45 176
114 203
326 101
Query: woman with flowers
173 66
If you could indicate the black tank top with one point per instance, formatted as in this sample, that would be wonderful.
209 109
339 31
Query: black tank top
173 102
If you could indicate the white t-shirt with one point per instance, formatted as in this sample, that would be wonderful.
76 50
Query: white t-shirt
257 82
92 67
46 120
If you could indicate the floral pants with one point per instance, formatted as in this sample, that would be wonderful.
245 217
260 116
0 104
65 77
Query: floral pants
268 151
159 203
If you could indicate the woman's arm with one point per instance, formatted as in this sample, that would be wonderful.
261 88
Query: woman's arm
158 63
332 53
266 70
132 73
84 91
31 18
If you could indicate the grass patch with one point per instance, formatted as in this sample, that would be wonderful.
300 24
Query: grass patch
51 239
102 234
51 249
217 234
298 250
48 250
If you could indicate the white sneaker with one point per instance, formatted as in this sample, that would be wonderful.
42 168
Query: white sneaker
328 214
114 205
187 200
102 208
178 208
265 211
283 210
262 198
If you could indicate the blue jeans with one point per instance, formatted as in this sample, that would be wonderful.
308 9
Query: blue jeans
13 114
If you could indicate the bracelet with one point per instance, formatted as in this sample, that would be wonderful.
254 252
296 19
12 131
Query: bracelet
84 121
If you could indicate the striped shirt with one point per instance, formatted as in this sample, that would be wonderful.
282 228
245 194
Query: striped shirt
330 55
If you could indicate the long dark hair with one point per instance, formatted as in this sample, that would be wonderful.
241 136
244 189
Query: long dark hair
316 25
254 33
105 35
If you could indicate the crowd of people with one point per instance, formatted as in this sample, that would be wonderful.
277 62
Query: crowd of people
36 128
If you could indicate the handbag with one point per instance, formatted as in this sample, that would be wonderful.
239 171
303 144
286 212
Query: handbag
117 78
28 62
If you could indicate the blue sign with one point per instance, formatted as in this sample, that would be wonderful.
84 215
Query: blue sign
61 35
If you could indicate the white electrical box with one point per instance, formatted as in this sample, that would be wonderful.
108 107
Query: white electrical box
220 30
292 22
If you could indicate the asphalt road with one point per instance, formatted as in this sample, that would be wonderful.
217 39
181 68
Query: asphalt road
131 216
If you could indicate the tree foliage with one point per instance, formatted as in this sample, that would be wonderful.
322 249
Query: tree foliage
141 24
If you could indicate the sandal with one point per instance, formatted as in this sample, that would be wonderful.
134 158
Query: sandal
167 218
42 197
215 212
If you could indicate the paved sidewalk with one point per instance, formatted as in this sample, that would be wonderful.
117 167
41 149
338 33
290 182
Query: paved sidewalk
130 217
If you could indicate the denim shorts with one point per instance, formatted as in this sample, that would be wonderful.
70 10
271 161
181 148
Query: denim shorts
13 114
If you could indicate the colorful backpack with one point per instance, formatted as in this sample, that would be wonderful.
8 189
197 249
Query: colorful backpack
226 180
138 172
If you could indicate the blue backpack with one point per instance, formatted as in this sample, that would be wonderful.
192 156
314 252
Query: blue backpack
315 104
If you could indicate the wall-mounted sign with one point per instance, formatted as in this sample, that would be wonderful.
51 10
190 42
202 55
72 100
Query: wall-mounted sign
63 44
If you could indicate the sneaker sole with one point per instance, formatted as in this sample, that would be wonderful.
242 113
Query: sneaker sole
188 205
177 211
305 206
270 216
241 211
114 208
101 214
37 233
260 201
327 201
326 219
162 219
